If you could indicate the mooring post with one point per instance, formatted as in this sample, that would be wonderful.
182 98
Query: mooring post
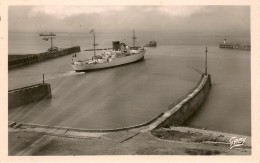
42 78
206 61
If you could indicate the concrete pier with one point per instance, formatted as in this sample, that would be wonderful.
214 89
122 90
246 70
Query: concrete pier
182 111
28 94
22 60
235 46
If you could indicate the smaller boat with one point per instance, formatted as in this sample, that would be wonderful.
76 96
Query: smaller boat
47 34
151 44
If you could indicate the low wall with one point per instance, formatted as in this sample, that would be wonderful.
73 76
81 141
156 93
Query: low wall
179 113
22 60
28 94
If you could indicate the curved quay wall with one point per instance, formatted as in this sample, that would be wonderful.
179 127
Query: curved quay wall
173 117
181 112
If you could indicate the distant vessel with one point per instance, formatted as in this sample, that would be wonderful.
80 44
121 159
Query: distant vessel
47 34
151 44
119 55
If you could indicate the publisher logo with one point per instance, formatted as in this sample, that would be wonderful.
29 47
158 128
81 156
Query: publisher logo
236 142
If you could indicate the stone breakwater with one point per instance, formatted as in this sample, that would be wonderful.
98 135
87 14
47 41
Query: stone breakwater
235 46
22 60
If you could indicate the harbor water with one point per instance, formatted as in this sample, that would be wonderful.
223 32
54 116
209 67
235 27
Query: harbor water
135 93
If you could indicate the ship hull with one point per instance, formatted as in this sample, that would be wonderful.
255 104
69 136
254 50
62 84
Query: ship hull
113 63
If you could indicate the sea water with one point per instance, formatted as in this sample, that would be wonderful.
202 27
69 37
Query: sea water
135 93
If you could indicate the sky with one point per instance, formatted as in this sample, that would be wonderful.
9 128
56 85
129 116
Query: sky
196 19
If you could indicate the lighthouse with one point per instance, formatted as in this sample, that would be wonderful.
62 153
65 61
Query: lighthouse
225 40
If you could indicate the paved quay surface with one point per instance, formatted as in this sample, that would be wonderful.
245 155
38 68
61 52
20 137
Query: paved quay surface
132 142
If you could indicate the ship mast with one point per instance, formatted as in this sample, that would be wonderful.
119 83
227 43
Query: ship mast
51 40
92 31
134 38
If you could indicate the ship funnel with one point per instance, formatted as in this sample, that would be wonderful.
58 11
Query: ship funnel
116 45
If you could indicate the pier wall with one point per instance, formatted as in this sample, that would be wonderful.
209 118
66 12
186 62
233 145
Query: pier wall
28 94
235 46
181 112
22 60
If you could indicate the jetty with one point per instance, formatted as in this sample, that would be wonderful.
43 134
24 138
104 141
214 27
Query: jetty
18 60
236 46
28 94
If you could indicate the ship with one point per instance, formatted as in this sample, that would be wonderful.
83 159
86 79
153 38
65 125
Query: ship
47 34
120 54
151 44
